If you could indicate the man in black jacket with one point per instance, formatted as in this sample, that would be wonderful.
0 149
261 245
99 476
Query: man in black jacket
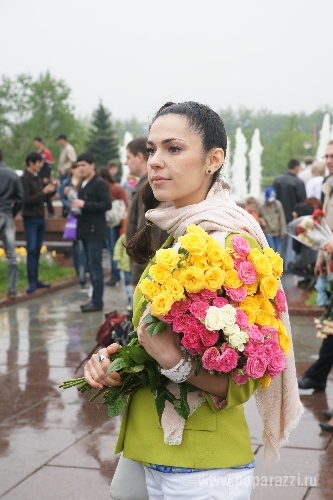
93 201
289 191
11 197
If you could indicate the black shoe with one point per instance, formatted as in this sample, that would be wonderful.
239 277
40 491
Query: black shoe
328 413
91 307
112 281
308 383
40 284
326 427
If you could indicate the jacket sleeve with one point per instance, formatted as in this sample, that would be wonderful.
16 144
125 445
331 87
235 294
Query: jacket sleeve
300 192
18 197
31 199
104 200
283 223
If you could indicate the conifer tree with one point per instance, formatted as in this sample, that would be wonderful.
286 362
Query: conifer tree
102 140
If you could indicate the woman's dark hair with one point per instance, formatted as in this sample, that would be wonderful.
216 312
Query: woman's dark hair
205 122
104 173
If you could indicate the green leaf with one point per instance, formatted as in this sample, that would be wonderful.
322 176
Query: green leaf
116 403
117 365
154 376
143 306
133 335
155 328
149 319
138 354
160 399
136 369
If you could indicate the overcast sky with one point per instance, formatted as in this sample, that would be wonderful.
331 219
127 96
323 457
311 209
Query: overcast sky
137 54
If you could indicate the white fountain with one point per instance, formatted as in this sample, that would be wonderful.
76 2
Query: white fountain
255 164
122 153
226 170
238 179
324 137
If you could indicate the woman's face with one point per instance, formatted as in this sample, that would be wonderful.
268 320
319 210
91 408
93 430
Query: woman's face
177 164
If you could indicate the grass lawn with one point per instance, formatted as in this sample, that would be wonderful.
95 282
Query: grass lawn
49 273
311 300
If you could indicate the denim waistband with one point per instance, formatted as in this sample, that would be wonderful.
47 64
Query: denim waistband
169 469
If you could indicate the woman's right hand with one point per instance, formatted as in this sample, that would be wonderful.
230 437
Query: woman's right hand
66 190
95 371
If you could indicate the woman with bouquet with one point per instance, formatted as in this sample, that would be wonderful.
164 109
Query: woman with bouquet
209 454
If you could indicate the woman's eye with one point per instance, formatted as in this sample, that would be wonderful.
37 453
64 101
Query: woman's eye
175 149
150 151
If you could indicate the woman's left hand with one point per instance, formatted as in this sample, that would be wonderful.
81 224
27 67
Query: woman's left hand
163 347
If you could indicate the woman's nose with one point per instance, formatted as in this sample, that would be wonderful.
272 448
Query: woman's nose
156 160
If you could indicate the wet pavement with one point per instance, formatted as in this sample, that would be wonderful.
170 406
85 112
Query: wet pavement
56 445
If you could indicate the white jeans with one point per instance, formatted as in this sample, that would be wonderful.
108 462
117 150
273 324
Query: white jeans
216 484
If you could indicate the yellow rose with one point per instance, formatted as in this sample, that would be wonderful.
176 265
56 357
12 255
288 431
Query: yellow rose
214 278
198 261
195 244
284 343
227 262
260 262
173 286
215 254
161 304
282 330
269 286
277 264
274 322
265 381
231 279
251 289
252 303
176 274
159 273
269 252
249 313
167 258
263 318
149 288
193 279
266 305
192 228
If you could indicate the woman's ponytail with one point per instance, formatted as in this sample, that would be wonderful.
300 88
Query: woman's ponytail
142 246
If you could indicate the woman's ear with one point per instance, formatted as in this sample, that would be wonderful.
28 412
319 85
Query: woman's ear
215 160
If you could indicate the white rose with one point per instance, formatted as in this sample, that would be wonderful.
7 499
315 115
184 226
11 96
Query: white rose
237 340
231 330
228 315
213 319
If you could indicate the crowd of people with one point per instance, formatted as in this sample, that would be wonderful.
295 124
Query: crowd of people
105 214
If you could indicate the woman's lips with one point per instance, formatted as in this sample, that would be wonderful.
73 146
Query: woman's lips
157 180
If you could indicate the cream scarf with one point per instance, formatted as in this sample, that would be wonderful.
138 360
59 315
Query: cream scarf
279 405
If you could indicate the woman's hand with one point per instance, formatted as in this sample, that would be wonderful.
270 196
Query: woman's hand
328 247
163 347
95 371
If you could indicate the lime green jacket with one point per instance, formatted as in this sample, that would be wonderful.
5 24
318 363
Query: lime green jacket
212 438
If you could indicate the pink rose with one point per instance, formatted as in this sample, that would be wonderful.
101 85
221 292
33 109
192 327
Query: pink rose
277 364
236 294
256 366
179 307
220 302
227 361
237 262
280 301
207 295
239 376
241 246
247 272
199 309
191 342
209 358
269 332
255 334
241 319
179 323
252 349
195 297
208 338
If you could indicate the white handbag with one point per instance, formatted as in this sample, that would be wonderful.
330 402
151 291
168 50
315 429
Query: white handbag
129 481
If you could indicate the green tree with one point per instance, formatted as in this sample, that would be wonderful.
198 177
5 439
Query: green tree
136 128
102 141
31 107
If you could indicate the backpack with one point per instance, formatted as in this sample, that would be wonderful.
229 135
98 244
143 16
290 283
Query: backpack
116 214
115 328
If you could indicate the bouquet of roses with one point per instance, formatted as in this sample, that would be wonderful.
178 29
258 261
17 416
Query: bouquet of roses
311 230
226 306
